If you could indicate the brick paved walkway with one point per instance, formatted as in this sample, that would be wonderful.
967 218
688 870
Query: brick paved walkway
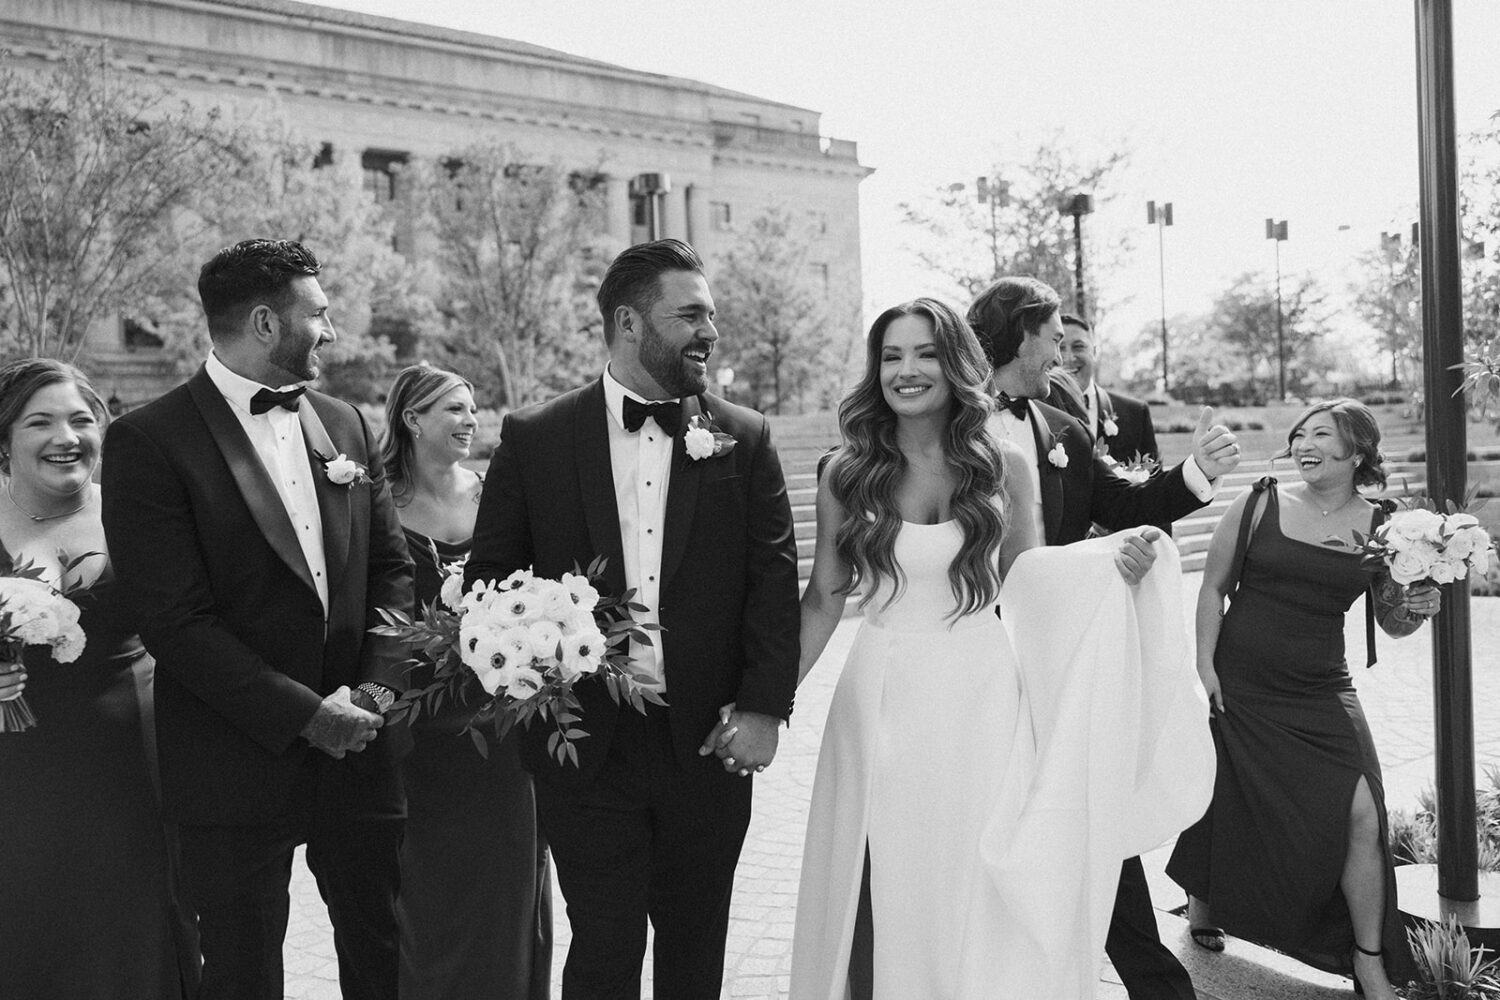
1397 697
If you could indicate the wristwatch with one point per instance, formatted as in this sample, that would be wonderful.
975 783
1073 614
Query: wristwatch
380 697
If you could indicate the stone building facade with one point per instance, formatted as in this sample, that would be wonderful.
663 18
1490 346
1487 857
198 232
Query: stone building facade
386 90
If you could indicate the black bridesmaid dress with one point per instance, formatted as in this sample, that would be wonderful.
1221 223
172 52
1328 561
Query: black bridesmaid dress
1291 748
475 908
86 907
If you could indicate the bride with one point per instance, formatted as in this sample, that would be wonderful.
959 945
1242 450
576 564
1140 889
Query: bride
934 747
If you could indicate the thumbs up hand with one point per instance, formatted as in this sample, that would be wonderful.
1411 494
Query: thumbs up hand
1215 448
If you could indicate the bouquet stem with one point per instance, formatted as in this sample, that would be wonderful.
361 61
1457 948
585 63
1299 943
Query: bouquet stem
15 716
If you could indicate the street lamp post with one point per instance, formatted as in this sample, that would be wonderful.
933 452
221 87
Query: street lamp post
1160 217
995 193
1078 206
1277 231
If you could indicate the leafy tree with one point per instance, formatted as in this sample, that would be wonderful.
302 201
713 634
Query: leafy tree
1022 228
787 351
99 179
1244 319
518 256
1389 298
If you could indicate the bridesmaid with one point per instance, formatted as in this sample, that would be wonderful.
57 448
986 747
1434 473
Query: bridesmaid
85 904
476 900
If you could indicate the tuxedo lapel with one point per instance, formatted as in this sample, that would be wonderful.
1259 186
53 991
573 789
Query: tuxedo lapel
1049 475
682 495
596 483
249 475
333 499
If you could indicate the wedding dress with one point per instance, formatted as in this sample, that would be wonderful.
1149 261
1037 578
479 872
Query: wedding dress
997 788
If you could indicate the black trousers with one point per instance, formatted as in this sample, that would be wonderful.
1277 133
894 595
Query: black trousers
1147 967
236 878
646 840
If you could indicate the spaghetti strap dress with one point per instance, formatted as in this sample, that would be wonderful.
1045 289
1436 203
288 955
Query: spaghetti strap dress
1291 748
475 908
86 907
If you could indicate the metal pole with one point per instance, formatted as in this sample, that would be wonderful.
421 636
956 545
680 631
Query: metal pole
1161 264
1447 431
1280 339
1078 265
995 233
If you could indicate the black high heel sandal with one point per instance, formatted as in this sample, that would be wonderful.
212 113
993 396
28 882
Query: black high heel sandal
1359 989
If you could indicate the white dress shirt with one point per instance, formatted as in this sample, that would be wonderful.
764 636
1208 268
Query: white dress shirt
277 438
1006 425
642 465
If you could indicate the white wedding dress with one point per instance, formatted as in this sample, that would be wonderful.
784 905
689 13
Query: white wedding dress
998 793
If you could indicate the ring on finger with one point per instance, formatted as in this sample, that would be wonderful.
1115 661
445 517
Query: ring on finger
729 761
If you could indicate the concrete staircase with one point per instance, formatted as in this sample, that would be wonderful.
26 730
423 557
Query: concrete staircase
800 441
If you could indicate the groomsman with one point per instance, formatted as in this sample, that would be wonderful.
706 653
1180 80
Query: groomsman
644 827
250 523
1018 322
1121 422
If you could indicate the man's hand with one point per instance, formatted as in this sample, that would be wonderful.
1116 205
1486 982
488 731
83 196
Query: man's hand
339 726
1215 448
1136 555
744 741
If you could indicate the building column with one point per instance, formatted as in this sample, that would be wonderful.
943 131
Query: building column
674 212
617 208
697 214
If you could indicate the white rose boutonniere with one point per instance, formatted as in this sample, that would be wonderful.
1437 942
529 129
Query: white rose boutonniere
343 470
1110 427
1057 456
703 440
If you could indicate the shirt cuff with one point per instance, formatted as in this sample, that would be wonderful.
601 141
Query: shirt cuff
1197 483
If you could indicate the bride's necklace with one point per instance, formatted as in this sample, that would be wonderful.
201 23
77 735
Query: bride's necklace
39 518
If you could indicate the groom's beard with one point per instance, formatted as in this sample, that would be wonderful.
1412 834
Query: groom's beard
666 364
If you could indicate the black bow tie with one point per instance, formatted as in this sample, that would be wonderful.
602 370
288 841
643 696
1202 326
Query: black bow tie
265 400
1019 406
668 416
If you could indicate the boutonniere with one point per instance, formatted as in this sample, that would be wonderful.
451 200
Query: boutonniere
342 470
703 440
1057 456
1110 427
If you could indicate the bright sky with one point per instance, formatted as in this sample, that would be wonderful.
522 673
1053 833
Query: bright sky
1299 109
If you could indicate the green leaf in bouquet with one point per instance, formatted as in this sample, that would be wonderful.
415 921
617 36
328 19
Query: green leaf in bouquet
572 753
574 734
477 738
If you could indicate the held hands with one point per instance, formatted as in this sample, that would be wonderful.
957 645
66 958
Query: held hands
339 726
1215 448
1136 555
744 741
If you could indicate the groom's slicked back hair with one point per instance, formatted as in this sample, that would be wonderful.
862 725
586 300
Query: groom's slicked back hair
633 278
1009 311
250 273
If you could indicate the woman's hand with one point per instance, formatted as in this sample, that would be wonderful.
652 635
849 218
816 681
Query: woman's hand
1210 678
1422 599
12 680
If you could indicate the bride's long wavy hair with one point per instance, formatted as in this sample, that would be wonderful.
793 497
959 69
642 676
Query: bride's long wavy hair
870 465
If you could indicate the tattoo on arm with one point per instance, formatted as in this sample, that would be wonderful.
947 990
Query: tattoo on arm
1394 617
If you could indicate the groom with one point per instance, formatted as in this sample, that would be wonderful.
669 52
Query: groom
643 827
250 525
1018 321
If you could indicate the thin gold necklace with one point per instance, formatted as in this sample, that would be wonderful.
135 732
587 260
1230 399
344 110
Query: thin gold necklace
39 518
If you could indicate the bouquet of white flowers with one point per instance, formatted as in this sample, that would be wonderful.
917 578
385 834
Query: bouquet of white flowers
527 640
1418 544
34 614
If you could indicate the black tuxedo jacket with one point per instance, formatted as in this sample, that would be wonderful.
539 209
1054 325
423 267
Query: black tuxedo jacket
1085 491
728 591
1136 434
208 559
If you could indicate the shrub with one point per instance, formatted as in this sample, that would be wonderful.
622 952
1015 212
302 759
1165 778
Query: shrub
1413 836
1450 969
